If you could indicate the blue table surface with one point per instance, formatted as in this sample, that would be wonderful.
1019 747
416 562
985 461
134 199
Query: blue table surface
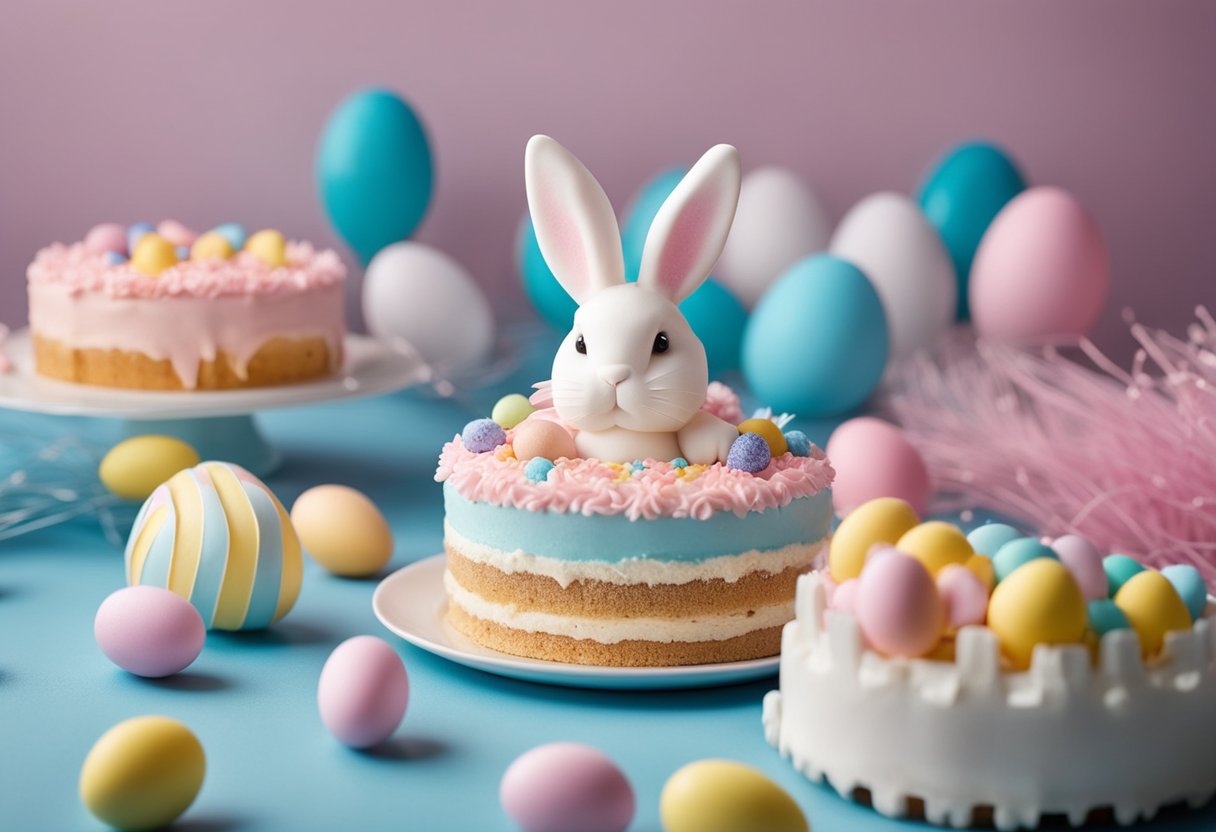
251 698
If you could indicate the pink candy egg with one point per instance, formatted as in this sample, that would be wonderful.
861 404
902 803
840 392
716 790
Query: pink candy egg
109 236
363 691
874 459
844 597
176 233
965 596
541 437
1084 561
149 631
567 787
898 606
1041 272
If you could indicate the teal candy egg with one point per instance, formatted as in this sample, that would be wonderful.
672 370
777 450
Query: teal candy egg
990 537
717 318
640 213
961 194
1105 615
547 295
1018 553
1119 570
816 343
1190 586
234 233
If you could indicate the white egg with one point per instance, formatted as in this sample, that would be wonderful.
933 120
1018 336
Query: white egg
418 293
779 221
891 240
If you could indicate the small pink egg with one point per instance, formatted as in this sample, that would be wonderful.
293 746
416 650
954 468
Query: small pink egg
176 233
1085 563
109 236
965 595
567 787
844 597
898 606
872 459
541 437
363 691
149 631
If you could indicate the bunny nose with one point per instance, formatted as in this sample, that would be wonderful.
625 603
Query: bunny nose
614 374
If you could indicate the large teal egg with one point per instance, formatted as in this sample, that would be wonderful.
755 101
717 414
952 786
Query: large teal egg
374 171
961 194
546 294
640 214
816 343
718 318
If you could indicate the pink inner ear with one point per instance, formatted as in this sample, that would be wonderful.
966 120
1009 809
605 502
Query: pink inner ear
564 242
685 244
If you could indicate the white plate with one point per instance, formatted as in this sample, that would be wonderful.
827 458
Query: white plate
412 603
371 366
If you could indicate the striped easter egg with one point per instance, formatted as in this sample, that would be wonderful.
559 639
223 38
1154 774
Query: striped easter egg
216 535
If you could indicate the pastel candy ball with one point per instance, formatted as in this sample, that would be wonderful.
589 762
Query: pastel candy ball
750 452
566 787
149 631
936 544
879 521
726 796
134 467
107 238
679 462
767 429
1084 562
135 233
965 595
269 246
343 530
1105 616
1119 570
153 254
540 437
143 773
874 458
217 536
1017 553
234 232
898 606
1153 607
211 246
176 233
1188 581
798 443
113 258
482 435
512 409
1040 603
538 468
362 692
990 537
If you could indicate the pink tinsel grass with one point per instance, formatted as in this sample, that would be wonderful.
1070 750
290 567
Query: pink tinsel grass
1125 458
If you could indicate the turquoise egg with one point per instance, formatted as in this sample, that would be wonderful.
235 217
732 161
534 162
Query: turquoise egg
990 537
1017 553
1119 570
1188 581
816 343
961 194
718 318
1105 615
234 233
546 294
640 213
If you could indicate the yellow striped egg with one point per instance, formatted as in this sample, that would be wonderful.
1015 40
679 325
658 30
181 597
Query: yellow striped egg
218 537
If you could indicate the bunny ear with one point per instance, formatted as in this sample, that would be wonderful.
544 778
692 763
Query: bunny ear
690 229
574 222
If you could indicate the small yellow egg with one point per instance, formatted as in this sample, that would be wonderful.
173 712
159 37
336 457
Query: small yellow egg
725 796
936 544
981 566
211 246
153 254
884 520
1039 603
142 773
269 246
134 467
343 530
511 410
1153 607
768 431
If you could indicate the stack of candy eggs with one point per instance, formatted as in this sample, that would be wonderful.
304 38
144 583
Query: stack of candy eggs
150 249
911 585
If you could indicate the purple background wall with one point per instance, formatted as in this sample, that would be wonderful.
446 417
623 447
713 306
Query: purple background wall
211 112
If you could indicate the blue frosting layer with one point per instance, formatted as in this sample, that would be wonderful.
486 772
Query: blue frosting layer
615 538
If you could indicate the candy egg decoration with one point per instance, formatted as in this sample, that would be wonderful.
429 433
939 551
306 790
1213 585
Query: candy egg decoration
213 245
1038 603
726 796
108 237
218 537
898 606
717 319
374 171
880 521
1153 607
1042 272
873 458
363 692
153 254
960 195
134 467
269 246
343 530
149 631
563 786
888 237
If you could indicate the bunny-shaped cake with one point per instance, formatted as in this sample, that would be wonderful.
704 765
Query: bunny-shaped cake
631 376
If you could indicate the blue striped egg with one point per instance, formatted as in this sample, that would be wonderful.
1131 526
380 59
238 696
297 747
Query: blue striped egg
217 536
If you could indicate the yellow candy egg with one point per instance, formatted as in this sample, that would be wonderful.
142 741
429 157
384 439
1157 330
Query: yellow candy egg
769 432
884 520
725 796
1039 603
343 530
153 254
134 467
936 544
142 773
981 566
511 410
269 246
1153 607
211 246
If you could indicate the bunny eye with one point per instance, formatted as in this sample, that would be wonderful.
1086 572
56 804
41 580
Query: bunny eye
661 342
580 345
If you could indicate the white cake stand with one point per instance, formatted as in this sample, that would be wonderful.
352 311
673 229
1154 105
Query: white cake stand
219 424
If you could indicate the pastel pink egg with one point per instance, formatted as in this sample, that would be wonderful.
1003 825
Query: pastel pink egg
898 606
567 787
109 236
965 596
1041 272
176 233
1084 561
541 437
844 597
872 459
149 631
363 691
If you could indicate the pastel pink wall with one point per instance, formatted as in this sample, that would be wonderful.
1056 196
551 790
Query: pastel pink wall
210 112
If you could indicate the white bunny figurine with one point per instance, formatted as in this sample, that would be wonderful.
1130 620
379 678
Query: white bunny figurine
631 375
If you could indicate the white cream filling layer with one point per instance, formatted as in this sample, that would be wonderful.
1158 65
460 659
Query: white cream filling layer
729 568
614 630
